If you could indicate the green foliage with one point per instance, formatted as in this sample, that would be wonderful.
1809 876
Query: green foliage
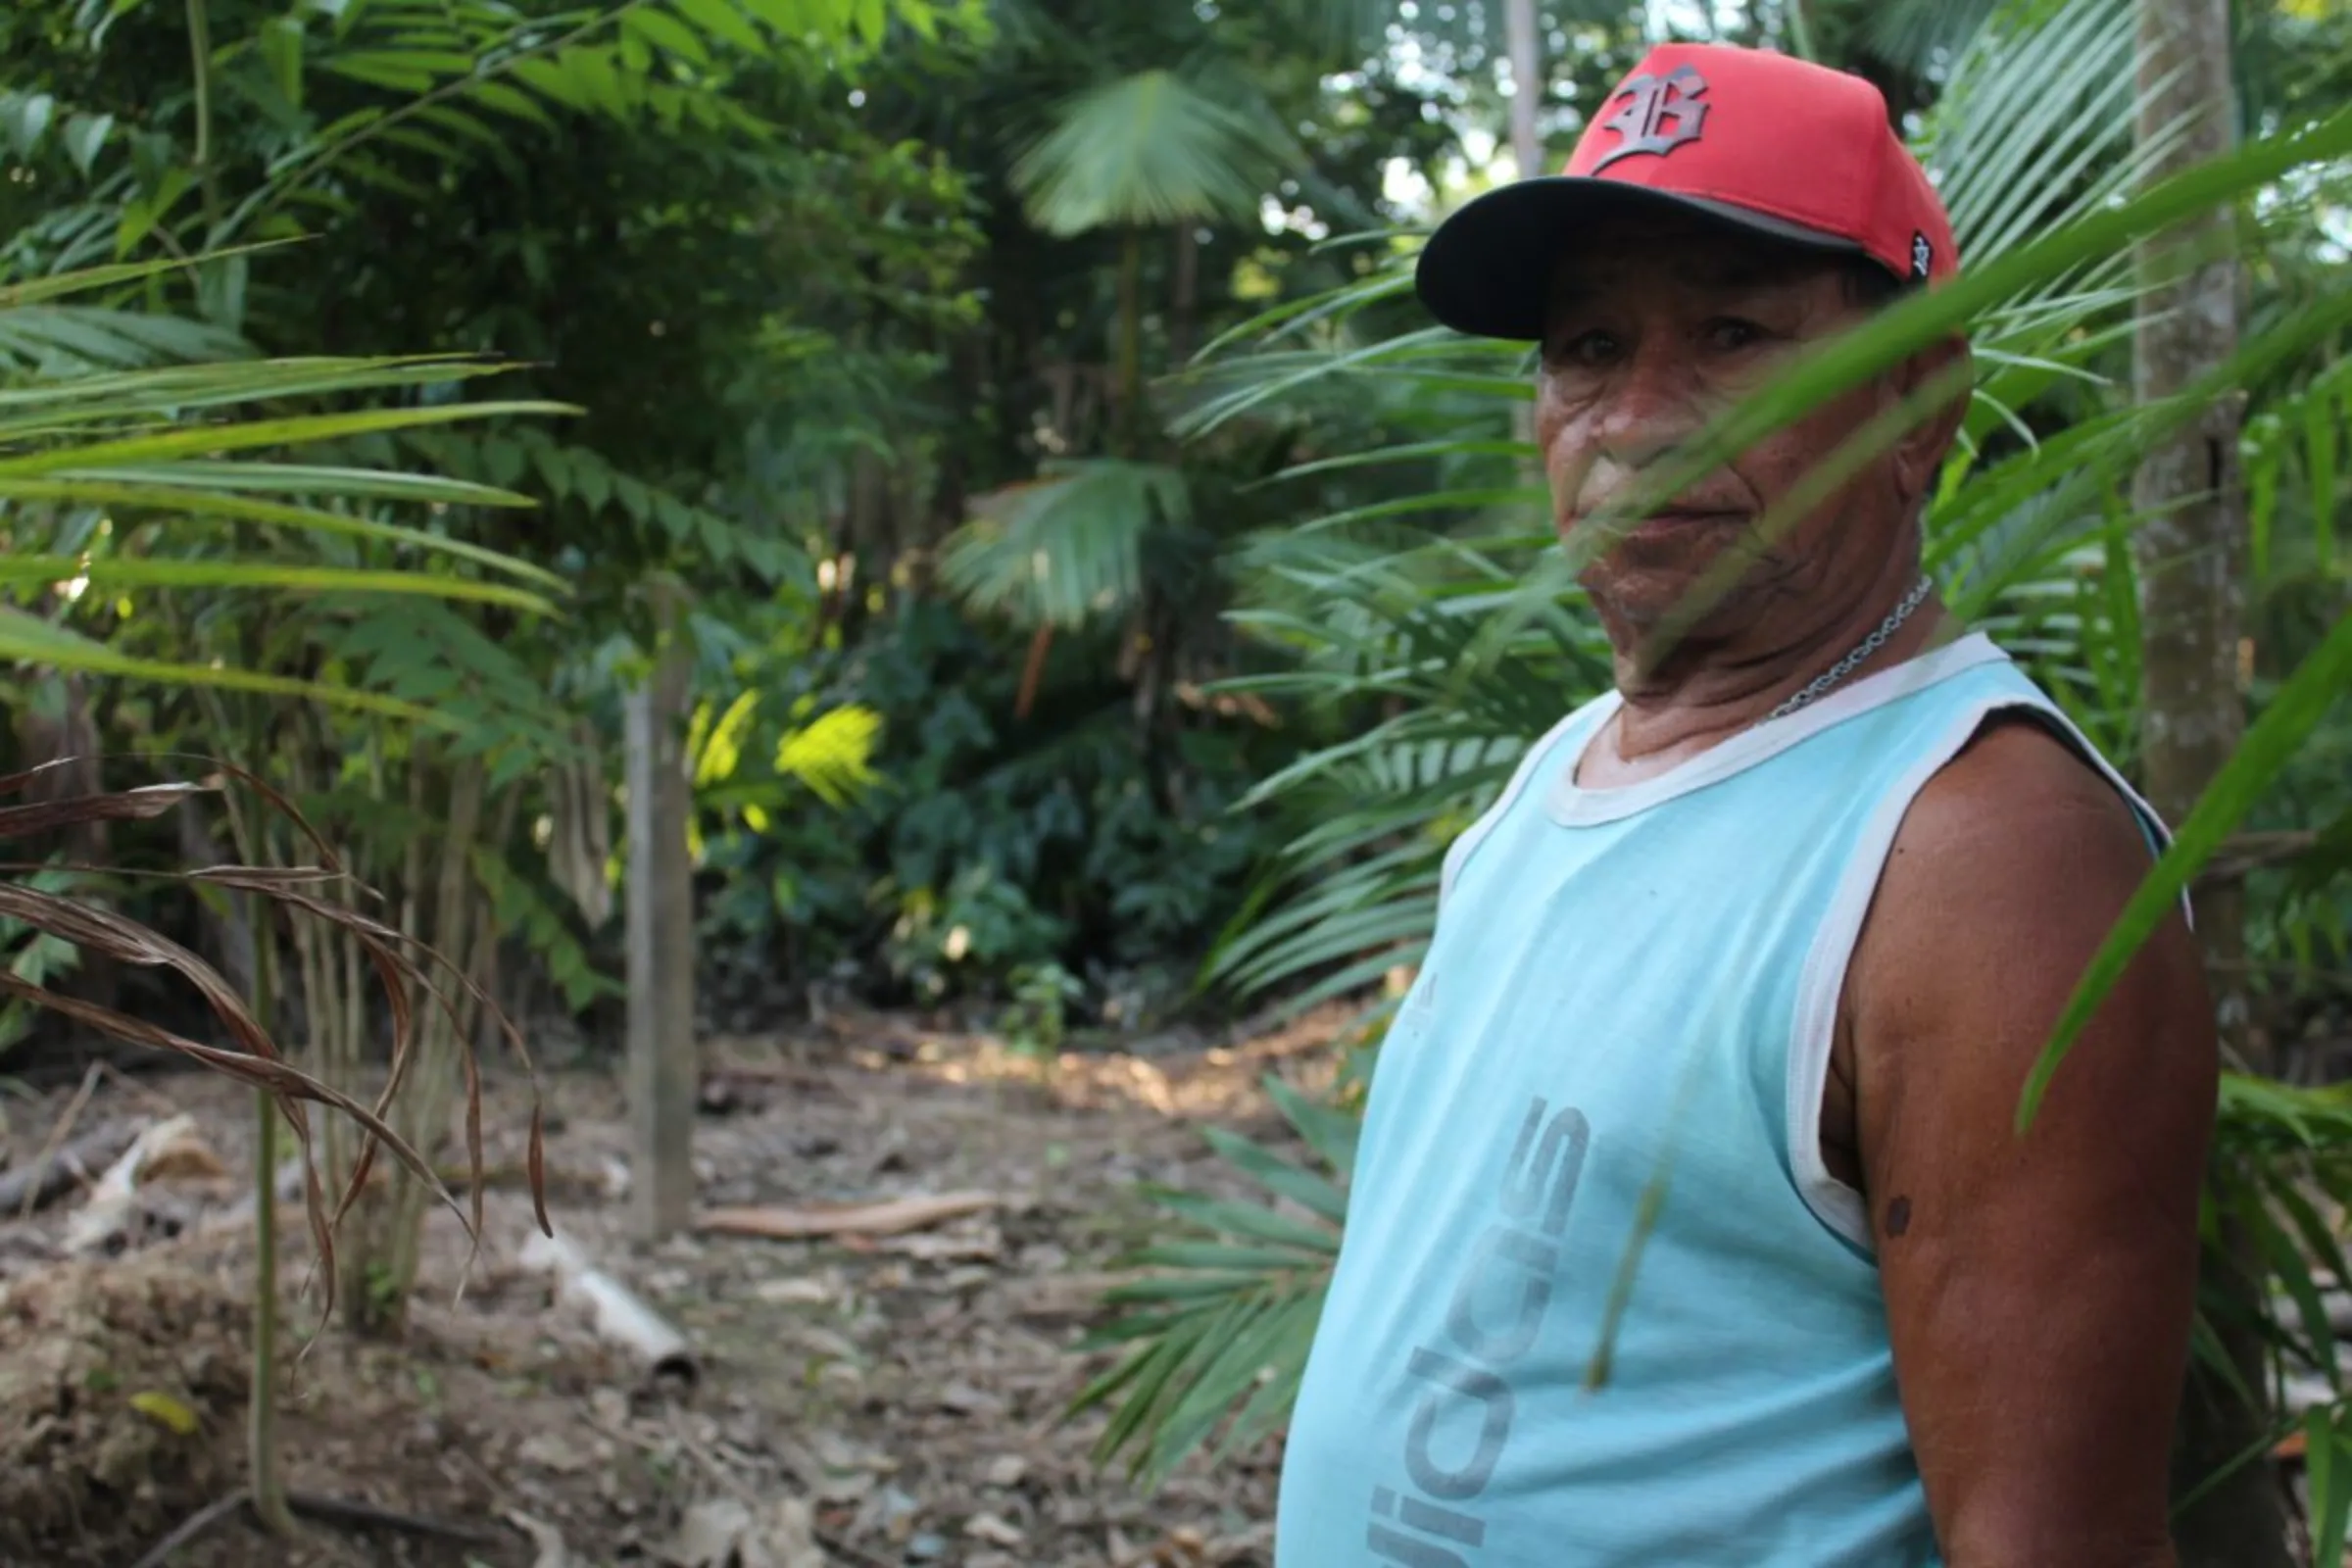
325 101
2282 1155
1069 548
1036 1023
1146 150
827 754
587 491
988 844
597 200
437 661
979 922
533 912
101 469
1230 1305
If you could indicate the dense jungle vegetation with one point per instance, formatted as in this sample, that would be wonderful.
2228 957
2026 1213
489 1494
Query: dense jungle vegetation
1103 593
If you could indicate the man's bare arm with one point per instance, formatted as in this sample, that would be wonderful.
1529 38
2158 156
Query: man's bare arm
2041 1290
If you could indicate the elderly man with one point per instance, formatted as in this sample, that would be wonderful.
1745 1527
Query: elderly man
1690 1227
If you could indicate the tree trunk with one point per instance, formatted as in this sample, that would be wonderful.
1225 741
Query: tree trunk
1527 84
1183 305
1128 418
1527 148
2187 552
661 1071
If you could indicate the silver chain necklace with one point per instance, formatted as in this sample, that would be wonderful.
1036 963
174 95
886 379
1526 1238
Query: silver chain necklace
1852 661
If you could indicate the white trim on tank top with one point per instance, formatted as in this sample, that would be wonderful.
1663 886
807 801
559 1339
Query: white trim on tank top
1572 805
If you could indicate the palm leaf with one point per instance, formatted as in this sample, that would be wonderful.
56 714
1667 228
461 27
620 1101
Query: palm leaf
1914 33
43 645
173 448
1221 1324
1146 150
1067 547
55 338
833 753
107 572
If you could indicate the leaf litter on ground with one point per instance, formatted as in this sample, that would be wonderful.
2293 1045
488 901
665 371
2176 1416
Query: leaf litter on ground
906 1390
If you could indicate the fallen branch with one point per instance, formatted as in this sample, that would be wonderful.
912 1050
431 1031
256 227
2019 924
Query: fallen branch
64 1129
616 1313
887 1217
325 1511
44 1179
210 1514
368 1516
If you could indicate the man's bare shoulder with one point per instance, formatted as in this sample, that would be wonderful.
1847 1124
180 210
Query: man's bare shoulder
2021 821
2005 878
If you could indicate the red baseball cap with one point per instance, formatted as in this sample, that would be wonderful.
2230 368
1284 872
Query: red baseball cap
1767 141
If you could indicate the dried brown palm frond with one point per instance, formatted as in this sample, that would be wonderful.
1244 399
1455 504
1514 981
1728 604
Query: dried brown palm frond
400 963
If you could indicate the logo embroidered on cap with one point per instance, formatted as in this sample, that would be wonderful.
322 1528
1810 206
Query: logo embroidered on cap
1923 254
1662 113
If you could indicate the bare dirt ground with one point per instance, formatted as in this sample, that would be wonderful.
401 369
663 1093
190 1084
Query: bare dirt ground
893 1399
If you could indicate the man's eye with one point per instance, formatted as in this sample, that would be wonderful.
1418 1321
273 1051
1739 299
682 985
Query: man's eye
1585 348
1733 333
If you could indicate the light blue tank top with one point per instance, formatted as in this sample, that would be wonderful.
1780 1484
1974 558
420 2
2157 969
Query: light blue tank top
1613 1059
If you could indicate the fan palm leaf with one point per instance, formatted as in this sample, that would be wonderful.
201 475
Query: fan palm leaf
1146 150
1915 34
1067 547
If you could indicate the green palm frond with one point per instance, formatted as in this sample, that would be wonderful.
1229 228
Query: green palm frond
1218 1327
43 644
1067 547
65 338
833 753
439 661
2035 130
1146 150
1389 626
101 469
1914 33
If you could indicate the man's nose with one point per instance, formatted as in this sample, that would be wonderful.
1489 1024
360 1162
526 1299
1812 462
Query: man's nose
1650 405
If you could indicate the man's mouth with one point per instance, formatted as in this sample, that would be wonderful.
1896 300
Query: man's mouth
1686 518
1671 520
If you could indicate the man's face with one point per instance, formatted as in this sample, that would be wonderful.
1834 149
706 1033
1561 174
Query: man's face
1652 330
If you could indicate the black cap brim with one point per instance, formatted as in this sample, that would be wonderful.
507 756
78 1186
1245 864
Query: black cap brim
1488 270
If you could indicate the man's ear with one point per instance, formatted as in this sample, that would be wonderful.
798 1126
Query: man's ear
1942 373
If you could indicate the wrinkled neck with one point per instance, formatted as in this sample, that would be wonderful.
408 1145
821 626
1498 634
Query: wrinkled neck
1709 691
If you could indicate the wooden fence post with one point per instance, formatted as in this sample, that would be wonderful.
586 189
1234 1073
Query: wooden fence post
663 1069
